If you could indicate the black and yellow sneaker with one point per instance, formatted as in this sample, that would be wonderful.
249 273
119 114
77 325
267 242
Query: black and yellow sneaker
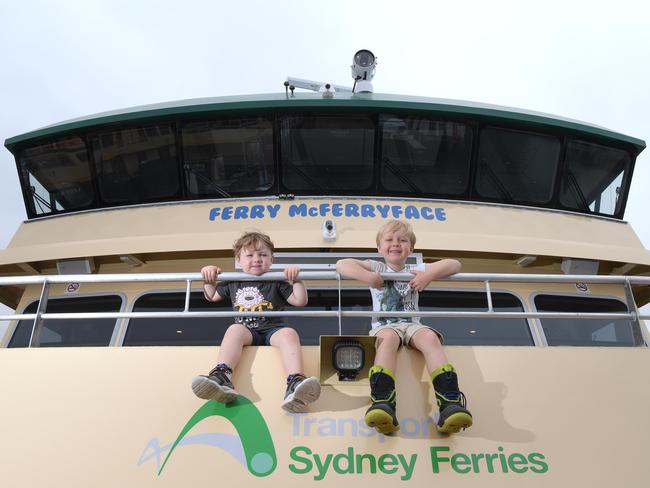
215 385
452 403
381 414
300 392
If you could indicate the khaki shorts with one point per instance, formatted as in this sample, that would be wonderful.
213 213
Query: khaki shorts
405 331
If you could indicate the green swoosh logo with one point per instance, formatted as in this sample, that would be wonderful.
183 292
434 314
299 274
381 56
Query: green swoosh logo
251 427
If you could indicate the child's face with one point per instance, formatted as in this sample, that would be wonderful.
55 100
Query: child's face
255 261
395 246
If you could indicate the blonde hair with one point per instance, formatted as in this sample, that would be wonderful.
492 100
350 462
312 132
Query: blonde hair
252 240
393 226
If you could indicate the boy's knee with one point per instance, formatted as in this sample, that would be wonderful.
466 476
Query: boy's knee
287 334
388 340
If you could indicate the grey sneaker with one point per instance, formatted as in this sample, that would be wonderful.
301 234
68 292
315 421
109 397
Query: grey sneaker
300 392
214 386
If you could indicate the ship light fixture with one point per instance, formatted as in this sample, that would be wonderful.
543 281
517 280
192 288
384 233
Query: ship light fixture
363 71
348 358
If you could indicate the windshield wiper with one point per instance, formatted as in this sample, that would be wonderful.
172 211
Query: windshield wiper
401 176
496 182
582 201
210 182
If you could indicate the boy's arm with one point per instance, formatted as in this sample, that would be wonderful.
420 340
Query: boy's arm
434 271
359 270
299 296
209 275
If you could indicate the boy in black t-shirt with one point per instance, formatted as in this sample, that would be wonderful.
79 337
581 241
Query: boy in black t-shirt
254 252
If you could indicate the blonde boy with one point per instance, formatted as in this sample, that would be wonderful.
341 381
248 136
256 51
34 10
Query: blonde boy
254 253
395 242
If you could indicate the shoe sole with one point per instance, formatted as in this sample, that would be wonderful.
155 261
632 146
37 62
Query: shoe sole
455 423
381 420
306 392
208 389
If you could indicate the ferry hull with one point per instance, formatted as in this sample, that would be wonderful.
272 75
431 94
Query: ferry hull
110 416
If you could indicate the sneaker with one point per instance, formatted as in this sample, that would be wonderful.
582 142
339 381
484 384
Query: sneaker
300 392
381 417
215 386
454 417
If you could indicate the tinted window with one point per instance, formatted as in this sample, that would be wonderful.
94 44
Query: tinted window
71 332
311 328
229 157
517 167
327 154
207 331
476 331
593 178
136 165
426 157
57 176
586 332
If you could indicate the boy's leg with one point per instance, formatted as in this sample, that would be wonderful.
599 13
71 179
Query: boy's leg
300 390
428 343
388 342
454 415
217 385
382 413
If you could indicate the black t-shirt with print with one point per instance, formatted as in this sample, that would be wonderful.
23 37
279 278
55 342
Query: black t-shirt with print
257 296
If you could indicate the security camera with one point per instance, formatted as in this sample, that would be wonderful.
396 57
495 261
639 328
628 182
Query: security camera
329 230
363 70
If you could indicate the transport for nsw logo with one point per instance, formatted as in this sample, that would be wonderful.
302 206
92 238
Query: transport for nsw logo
255 448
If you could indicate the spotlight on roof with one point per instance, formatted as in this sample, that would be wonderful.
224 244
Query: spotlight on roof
363 70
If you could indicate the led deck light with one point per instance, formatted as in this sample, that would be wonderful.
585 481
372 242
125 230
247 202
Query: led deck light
348 358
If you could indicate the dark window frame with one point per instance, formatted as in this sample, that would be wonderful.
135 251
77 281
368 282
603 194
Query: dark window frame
637 335
60 298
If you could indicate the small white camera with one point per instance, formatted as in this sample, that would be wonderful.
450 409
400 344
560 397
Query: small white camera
329 230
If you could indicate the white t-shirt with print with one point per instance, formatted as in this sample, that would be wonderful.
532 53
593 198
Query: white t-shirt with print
394 296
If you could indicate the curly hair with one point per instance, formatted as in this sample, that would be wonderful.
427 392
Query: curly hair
252 240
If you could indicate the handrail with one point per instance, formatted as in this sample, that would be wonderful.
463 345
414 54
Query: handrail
187 278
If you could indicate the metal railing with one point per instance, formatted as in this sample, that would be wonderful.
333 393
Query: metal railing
188 278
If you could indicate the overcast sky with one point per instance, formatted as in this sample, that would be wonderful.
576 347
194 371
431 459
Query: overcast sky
586 60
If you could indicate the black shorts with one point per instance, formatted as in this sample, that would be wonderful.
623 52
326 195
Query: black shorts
263 337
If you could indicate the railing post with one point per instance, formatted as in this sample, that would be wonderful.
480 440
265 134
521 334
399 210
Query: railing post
488 292
640 336
188 289
338 281
37 328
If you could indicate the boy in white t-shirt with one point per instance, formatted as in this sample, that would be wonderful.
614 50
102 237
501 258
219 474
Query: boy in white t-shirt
395 242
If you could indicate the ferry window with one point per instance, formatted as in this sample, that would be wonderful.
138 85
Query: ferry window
210 330
311 328
56 177
516 167
71 332
425 157
332 154
229 157
480 330
207 331
586 332
136 165
593 176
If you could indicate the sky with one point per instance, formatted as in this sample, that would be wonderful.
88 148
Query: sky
585 60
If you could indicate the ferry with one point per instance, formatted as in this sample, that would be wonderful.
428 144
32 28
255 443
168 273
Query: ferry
110 324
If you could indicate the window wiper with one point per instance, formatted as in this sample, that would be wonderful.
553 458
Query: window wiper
210 182
582 201
401 176
304 175
496 182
